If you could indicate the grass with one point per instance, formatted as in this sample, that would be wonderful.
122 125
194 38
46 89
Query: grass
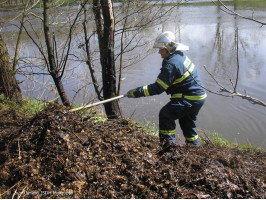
30 107
236 3
220 141
99 118
96 116
248 3
57 3
27 106
149 127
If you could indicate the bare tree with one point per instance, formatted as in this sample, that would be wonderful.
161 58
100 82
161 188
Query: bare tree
53 68
111 38
8 83
104 18
133 19
54 63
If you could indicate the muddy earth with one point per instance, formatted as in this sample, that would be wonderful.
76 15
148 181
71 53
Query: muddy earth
61 154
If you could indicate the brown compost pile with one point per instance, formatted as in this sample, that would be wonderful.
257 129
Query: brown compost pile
61 154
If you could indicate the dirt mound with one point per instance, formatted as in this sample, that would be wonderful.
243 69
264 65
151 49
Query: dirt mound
58 154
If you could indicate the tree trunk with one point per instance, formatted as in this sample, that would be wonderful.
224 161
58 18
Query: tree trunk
8 83
105 31
19 40
52 67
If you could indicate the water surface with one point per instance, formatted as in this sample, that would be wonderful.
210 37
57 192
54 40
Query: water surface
210 34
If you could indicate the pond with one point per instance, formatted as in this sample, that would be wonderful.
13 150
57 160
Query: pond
210 33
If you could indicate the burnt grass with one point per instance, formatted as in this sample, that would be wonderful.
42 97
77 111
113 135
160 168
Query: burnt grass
61 154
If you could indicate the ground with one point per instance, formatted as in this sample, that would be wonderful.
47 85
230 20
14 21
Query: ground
62 154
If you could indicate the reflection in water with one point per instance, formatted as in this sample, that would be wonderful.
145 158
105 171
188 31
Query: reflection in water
234 118
210 33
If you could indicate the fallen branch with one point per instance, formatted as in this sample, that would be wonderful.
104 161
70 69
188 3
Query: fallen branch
235 93
8 191
19 156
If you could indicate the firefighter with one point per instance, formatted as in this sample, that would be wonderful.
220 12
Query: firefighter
178 78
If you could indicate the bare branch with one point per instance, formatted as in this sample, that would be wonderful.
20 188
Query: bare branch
35 15
231 12
40 49
68 43
237 59
89 61
231 92
122 50
16 17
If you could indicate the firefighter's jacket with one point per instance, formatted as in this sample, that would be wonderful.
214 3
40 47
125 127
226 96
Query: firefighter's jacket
178 77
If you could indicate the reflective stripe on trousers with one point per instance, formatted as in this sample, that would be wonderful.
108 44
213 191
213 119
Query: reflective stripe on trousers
167 132
192 138
188 97
186 111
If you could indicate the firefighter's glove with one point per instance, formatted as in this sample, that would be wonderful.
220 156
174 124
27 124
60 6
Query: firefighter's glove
130 93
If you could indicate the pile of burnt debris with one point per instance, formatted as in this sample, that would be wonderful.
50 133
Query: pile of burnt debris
61 154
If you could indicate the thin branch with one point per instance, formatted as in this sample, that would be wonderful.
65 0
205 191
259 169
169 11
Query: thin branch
35 15
22 13
231 12
19 39
221 87
55 49
80 89
41 51
19 155
10 188
237 60
231 92
89 61
122 50
63 66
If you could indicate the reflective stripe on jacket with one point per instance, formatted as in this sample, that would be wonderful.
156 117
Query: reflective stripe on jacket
178 77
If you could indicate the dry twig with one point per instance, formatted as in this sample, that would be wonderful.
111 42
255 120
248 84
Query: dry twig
231 12
234 93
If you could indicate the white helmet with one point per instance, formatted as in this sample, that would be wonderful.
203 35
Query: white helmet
167 40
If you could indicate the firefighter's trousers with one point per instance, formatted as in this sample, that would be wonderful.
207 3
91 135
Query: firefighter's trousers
186 111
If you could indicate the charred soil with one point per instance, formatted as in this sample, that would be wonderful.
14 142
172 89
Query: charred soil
61 154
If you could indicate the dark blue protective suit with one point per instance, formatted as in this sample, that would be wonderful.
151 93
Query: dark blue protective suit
179 78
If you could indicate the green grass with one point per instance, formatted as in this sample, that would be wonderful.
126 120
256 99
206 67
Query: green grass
27 106
99 118
64 3
247 3
57 3
30 107
220 141
96 116
237 3
149 127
